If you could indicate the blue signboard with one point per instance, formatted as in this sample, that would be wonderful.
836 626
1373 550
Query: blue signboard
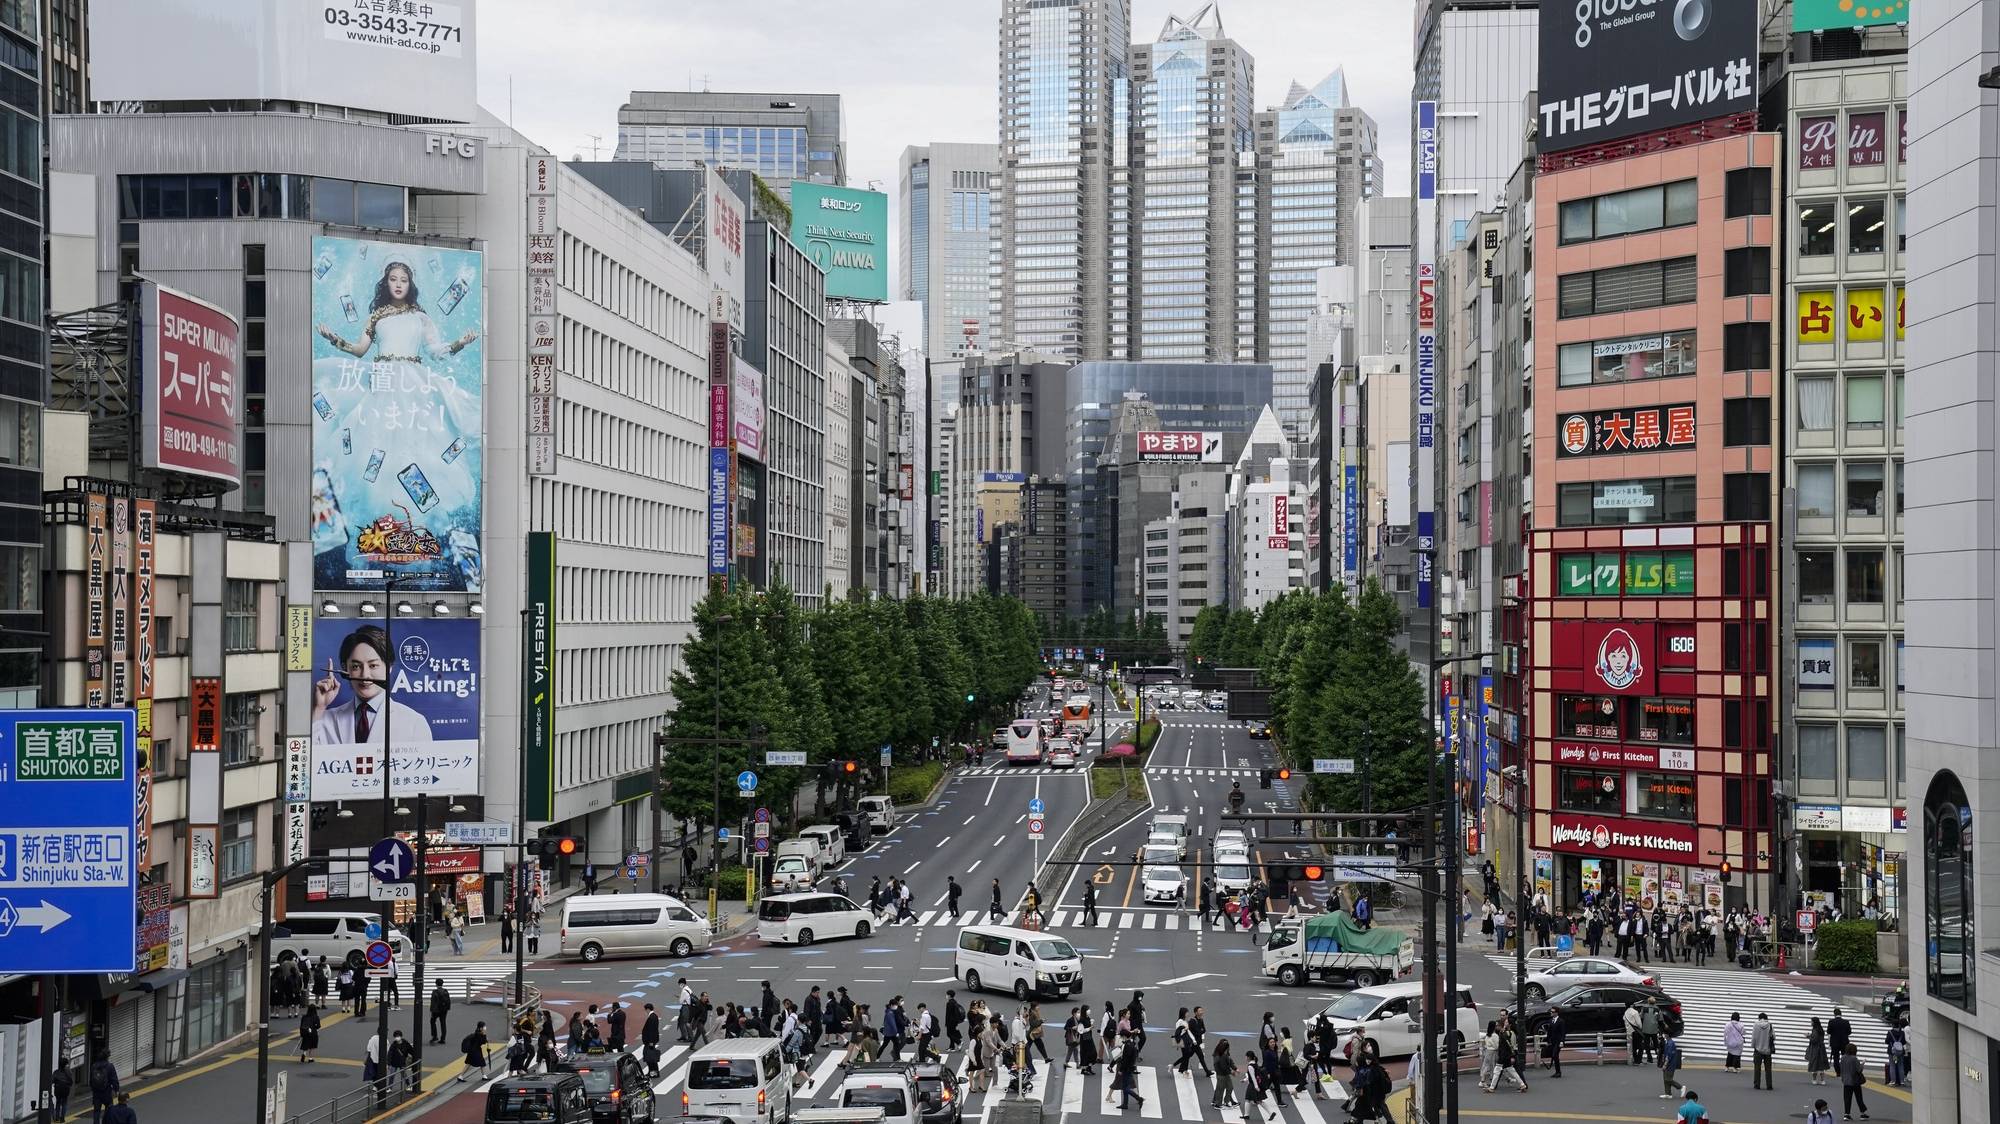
718 511
1035 806
1489 749
746 781
391 860
1350 523
68 882
1003 478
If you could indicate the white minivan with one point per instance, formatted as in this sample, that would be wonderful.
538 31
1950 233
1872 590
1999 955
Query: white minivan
739 1078
599 925
340 937
880 812
1023 961
805 918
832 844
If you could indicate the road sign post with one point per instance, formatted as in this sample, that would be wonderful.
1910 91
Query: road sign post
746 783
1333 764
391 860
68 884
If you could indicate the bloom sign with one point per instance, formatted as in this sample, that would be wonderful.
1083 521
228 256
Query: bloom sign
1595 835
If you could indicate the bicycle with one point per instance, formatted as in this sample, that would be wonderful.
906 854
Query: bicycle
1395 898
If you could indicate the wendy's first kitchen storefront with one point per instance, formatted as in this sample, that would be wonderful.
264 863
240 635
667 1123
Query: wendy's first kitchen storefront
1648 864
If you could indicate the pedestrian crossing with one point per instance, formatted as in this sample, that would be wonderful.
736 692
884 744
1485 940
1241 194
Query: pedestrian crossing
1166 1094
1708 995
470 980
1158 919
1197 771
1005 770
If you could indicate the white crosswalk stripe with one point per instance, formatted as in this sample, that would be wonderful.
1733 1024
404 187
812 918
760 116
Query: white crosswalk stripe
1709 995
1157 918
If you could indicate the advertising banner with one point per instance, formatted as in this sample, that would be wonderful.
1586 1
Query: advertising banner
1816 663
1204 447
1350 524
1627 839
722 244
1823 15
144 568
1815 316
748 411
96 580
121 601
1864 315
397 379
718 512
189 356
538 680
846 233
1650 429
1616 656
543 247
298 796
1425 347
1617 68
1625 756
1279 538
432 676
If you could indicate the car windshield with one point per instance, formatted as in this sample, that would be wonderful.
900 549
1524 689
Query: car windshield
522 1105
890 1101
1354 1006
1232 872
1163 874
722 1073
1054 950
1158 854
596 1079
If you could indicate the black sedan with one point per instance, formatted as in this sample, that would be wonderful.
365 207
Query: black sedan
1600 1009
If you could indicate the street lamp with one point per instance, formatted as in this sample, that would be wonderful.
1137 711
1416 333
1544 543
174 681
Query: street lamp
1518 778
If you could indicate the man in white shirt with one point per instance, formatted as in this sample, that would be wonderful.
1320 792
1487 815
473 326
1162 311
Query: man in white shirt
365 666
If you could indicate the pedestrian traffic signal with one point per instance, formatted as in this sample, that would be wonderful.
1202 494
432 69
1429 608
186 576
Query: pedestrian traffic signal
1264 778
1725 872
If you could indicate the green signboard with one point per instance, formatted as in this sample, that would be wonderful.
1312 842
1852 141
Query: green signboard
69 751
846 232
538 680
1820 15
1637 574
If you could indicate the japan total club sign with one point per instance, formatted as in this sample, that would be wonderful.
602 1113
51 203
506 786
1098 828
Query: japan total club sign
190 360
1595 835
1618 68
1648 429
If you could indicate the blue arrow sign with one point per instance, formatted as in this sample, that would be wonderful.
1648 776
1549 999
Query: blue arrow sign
1035 806
746 781
68 872
722 835
391 860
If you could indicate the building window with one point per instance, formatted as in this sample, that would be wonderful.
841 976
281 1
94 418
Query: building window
1621 502
1865 584
1746 191
1816 577
1819 759
1746 346
239 844
1629 212
20 434
1625 288
1588 716
1659 355
239 620
1746 271
239 729
1815 485
20 579
1746 496
1866 226
1864 489
1864 665
1591 790
1815 405
1864 406
1948 883
1817 229
1746 421
1663 796
1664 721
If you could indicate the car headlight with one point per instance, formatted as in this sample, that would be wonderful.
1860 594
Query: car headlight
1042 977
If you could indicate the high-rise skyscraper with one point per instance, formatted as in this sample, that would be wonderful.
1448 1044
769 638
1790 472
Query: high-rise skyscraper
1063 83
781 137
1173 281
945 204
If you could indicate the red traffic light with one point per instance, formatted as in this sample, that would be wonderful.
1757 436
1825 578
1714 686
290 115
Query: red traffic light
1725 872
849 767
1314 873
567 846
1284 774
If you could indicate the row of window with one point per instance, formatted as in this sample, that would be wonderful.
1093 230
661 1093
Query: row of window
265 195
1864 491
1626 288
1611 792
1864 221
1865 769
1855 577
1746 497
1615 718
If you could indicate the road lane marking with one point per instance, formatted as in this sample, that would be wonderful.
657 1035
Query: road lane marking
1307 1110
1072 1097
1000 839
913 866
968 820
974 866
1188 1096
1149 1088
1184 979
990 789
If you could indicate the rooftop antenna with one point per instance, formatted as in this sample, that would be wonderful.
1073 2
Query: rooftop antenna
596 142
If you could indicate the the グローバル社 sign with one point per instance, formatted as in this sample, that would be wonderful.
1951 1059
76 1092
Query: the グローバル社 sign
1617 68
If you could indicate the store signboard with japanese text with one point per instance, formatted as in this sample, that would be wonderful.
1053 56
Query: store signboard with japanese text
1618 68
190 359
1204 446
1626 839
1646 429
1638 573
1598 755
1816 663
722 244
398 368
431 671
747 413
845 232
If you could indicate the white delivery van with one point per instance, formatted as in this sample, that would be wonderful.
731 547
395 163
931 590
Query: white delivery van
1233 872
596 926
1021 961
805 918
881 814
809 849
739 1078
790 874
890 1087
340 937
832 844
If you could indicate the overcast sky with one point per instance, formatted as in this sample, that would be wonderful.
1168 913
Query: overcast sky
909 71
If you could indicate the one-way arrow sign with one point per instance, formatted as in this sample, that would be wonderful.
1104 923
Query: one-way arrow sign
43 916
391 860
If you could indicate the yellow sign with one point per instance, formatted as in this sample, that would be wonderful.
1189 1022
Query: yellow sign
298 637
1864 315
1899 314
1815 319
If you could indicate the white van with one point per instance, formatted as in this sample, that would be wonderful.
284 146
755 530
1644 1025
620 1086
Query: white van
890 1087
790 873
1387 1016
337 936
805 918
832 844
1233 872
741 1079
806 848
881 814
1023 961
596 926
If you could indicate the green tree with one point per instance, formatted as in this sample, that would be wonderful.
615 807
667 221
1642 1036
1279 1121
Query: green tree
784 625
746 700
1206 635
1374 693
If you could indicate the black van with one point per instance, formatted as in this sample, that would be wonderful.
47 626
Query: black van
547 1098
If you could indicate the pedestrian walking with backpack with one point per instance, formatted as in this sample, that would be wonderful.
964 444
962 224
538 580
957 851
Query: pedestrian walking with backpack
103 1088
1670 1066
1763 1049
474 1049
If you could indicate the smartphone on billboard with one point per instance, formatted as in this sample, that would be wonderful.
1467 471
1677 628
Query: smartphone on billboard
374 468
418 486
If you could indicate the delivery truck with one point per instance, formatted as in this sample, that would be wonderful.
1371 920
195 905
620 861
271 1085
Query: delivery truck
1330 947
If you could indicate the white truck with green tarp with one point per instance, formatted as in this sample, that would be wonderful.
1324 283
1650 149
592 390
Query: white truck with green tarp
1330 947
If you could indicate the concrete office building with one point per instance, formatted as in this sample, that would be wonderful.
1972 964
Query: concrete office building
1196 536
945 212
785 336
1266 518
1031 554
1951 914
781 137
871 364
1064 88
1844 378
1009 426
839 444
24 362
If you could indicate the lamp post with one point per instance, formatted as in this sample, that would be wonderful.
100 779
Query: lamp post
1517 778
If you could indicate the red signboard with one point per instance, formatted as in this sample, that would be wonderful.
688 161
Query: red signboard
1867 139
1628 839
1650 429
205 720
1625 756
453 860
1609 656
1817 147
193 412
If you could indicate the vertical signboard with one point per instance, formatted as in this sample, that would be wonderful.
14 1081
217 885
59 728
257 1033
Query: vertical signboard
298 637
204 787
540 270
121 601
97 572
720 474
1426 347
722 246
145 547
398 376
298 796
1350 524
1280 537
538 671
188 360
747 411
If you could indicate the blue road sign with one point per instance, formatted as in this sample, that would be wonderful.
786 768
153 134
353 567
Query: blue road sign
68 875
722 835
746 781
391 860
379 954
1035 806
